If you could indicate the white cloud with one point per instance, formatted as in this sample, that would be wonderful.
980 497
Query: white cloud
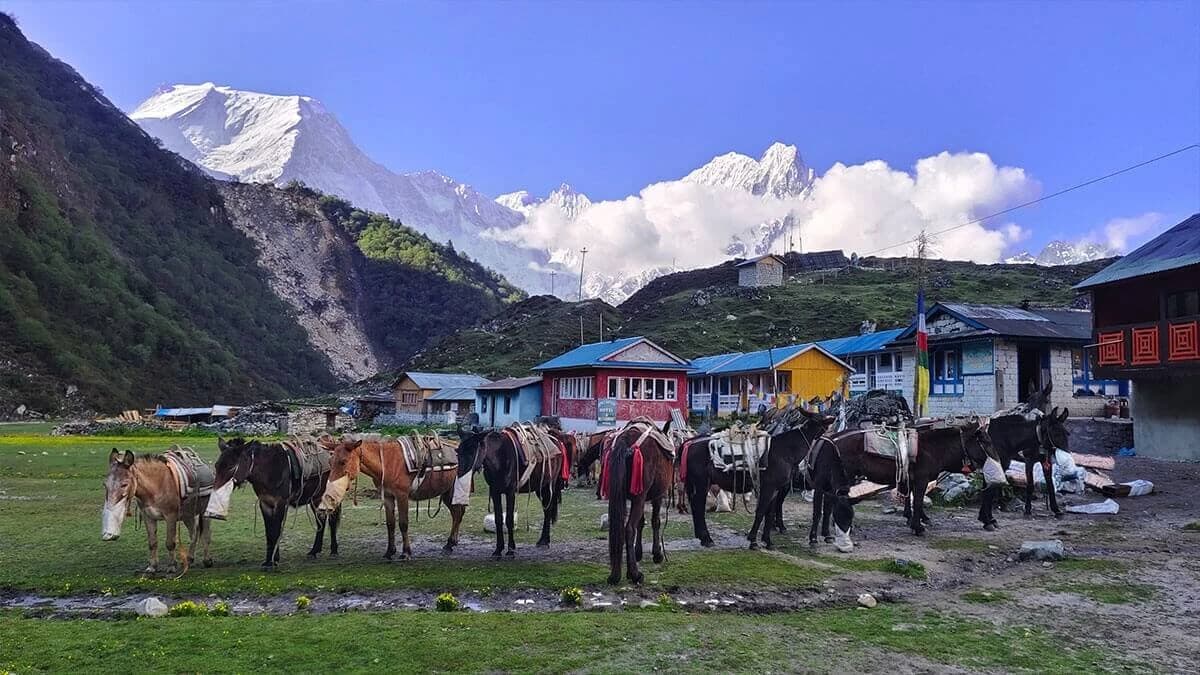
858 208
1119 233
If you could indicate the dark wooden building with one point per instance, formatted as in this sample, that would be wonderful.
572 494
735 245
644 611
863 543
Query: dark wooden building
1146 328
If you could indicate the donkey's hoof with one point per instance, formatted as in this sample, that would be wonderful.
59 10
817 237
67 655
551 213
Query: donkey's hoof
448 549
990 527
543 544
1028 515
404 556
614 579
1058 514
707 543
637 578
208 562
333 553
268 567
497 553
312 555
828 539
812 541
510 553
389 555
150 569
754 546
658 558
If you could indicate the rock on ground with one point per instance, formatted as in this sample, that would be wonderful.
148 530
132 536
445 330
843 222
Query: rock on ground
151 606
1042 550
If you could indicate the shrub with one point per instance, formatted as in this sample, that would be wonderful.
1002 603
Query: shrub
665 600
446 602
220 609
303 602
188 608
572 595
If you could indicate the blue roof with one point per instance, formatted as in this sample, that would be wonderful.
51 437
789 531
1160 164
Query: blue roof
182 412
596 355
860 344
750 362
445 380
1175 248
702 364
454 394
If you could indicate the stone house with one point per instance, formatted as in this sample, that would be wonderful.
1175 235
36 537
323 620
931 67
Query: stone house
765 270
984 358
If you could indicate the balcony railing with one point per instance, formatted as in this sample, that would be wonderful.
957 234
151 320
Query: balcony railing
1149 345
861 382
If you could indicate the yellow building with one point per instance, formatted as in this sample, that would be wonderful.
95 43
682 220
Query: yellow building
742 382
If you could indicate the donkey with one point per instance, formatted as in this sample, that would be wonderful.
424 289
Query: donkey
1033 439
775 477
148 480
639 467
268 469
838 462
495 453
383 460
699 477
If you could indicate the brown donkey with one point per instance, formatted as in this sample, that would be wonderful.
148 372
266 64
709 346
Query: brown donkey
383 460
149 481
640 467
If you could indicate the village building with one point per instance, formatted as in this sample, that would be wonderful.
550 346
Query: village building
1146 327
984 358
453 402
877 363
414 392
604 384
184 416
765 270
368 406
508 401
744 382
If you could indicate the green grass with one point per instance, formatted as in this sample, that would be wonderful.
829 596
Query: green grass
51 525
1108 593
986 597
25 428
960 544
551 642
1192 527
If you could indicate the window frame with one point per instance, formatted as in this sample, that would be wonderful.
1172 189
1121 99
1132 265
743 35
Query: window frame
945 383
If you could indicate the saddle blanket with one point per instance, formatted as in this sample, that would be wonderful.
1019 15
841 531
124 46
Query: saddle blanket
308 458
886 442
739 448
650 430
194 476
428 452
535 445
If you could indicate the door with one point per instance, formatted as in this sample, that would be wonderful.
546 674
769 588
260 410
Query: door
1032 371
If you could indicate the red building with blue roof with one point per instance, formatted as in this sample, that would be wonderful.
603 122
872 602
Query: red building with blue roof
606 384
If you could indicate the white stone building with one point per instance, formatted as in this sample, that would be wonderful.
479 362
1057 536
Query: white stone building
765 270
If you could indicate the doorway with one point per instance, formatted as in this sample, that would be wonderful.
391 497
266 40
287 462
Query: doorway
1032 371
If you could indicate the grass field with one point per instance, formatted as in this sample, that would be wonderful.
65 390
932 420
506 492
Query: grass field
50 497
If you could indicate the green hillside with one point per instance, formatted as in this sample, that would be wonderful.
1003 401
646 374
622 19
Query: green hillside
691 315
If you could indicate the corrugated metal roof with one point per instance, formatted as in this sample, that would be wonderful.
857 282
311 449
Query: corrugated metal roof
182 412
756 259
454 394
445 380
1003 321
509 383
702 364
766 359
860 344
595 354
1175 248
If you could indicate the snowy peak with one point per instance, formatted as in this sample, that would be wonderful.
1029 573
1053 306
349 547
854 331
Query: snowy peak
780 172
1022 258
566 198
1067 253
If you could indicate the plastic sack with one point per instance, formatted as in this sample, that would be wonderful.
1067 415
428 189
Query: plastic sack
1107 506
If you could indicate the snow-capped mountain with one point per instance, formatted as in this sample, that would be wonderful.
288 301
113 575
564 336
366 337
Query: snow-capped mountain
253 137
1067 253
780 172
566 198
1060 252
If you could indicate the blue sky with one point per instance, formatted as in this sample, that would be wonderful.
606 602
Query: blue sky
613 96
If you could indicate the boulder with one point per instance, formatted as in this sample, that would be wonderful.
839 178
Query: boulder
867 600
489 522
604 521
1042 550
152 607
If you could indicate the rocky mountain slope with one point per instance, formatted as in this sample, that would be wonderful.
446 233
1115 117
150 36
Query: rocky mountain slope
704 311
129 278
265 138
1060 252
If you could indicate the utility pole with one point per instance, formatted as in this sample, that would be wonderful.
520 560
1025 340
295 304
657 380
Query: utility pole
553 273
582 260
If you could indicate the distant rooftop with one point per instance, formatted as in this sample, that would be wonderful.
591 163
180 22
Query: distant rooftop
445 380
510 383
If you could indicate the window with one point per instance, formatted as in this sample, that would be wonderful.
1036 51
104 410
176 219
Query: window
578 388
898 361
1183 303
507 403
1083 364
410 397
885 362
946 378
650 388
483 401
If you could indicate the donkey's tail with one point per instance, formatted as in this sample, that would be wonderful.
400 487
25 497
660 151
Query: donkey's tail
618 487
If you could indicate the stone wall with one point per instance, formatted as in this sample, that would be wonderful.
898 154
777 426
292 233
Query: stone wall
1100 436
309 421
1167 414
765 273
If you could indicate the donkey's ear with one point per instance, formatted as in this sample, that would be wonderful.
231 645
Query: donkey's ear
128 459
112 456
1054 413
355 444
222 444
828 420
1063 417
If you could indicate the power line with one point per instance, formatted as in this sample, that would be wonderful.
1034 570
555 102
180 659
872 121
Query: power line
1084 184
